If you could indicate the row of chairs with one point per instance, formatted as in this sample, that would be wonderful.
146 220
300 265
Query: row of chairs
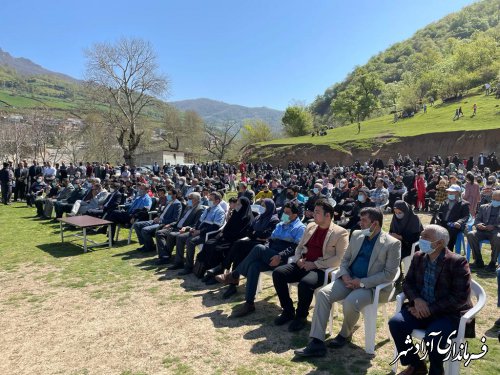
370 312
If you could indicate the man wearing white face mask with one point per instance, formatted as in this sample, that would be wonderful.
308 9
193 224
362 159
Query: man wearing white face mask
438 287
487 227
371 258
453 214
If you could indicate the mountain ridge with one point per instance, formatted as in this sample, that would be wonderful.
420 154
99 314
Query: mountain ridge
218 111
26 68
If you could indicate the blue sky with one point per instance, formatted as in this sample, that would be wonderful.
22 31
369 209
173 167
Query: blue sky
253 53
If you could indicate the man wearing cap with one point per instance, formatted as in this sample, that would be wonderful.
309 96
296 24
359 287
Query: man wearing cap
453 213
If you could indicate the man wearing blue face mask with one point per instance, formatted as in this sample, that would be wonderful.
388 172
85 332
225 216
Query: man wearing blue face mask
438 287
453 214
487 227
280 247
371 258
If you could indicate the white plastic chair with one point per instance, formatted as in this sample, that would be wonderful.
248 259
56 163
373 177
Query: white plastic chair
329 272
207 236
370 314
407 259
451 367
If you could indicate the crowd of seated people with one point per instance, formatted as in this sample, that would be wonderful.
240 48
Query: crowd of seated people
297 222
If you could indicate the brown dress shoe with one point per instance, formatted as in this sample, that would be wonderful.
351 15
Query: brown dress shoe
227 278
243 310
421 369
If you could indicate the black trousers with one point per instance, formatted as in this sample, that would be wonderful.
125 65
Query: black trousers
239 251
61 208
118 217
95 213
308 282
165 241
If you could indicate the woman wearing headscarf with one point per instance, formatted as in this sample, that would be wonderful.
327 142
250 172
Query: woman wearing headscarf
260 231
405 226
216 249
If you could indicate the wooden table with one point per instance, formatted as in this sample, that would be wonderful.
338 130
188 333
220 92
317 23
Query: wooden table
84 222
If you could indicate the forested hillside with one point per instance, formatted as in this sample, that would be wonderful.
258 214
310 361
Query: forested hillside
442 61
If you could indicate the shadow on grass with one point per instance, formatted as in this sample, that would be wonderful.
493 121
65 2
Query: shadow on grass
351 359
260 316
62 250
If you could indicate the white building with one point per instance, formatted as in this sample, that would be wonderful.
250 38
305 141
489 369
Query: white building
162 157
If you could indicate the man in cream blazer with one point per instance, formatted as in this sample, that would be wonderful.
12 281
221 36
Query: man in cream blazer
321 247
372 258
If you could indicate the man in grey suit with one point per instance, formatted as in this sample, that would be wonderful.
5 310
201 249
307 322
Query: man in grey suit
372 258
487 225
166 237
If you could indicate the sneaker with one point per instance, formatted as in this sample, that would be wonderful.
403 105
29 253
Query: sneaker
284 318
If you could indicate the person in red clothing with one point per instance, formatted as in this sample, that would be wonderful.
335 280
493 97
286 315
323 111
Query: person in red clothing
420 188
321 247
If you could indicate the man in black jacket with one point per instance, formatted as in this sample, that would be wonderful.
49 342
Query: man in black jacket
453 214
6 178
110 204
66 205
167 236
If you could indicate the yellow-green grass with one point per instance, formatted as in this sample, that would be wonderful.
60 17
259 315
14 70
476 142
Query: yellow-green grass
438 118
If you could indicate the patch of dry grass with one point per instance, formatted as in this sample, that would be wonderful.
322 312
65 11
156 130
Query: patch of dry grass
106 312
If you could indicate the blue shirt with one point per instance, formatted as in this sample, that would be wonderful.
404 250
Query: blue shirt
140 202
430 278
359 268
214 215
290 232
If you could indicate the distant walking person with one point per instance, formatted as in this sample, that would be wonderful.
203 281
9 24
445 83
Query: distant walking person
359 127
460 113
474 109
425 108
457 115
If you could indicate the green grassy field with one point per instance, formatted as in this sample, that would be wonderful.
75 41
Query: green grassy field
438 118
107 312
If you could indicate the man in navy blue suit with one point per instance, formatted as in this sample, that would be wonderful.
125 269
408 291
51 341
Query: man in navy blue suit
110 203
146 230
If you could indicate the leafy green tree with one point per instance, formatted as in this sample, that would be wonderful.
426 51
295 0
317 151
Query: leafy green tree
361 97
297 121
254 131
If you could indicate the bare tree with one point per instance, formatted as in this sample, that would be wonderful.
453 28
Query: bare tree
125 75
218 139
182 130
14 138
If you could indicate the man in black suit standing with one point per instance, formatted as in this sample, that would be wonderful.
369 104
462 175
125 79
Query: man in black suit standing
110 204
453 214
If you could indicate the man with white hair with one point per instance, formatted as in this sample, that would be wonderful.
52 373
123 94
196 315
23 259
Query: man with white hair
438 287
453 214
